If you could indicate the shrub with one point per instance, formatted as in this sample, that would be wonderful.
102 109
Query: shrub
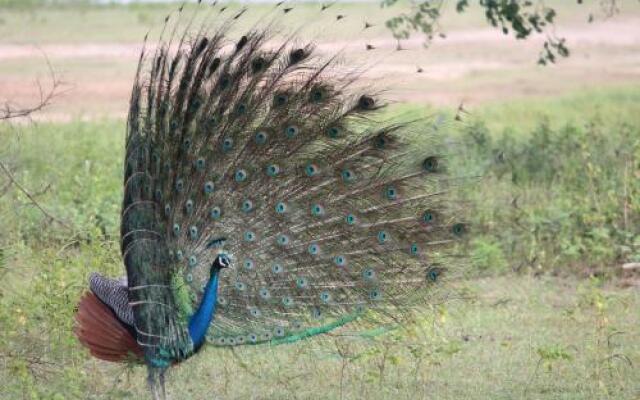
558 196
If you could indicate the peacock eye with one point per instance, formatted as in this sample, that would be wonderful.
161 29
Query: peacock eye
333 132
247 206
383 237
433 274
317 94
366 102
208 187
301 283
368 274
282 240
430 164
375 295
273 170
311 169
350 219
414 249
317 210
241 175
348 175
193 232
193 261
261 137
280 99
227 144
380 142
188 206
287 301
297 55
249 236
325 297
179 185
225 80
291 131
258 64
459 229
340 261
216 212
391 193
314 249
281 208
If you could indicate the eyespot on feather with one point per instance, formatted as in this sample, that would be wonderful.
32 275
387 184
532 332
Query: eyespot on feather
431 164
291 131
334 131
280 99
224 81
459 229
227 144
272 170
297 55
318 94
261 137
258 64
366 103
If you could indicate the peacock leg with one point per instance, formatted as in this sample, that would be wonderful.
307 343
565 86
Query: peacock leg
155 380
164 393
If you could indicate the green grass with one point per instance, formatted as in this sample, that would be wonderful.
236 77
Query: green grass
607 106
512 338
504 336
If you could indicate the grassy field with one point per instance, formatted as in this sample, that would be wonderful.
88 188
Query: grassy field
554 336
543 313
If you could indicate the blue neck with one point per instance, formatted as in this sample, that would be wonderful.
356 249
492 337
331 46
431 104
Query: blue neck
200 321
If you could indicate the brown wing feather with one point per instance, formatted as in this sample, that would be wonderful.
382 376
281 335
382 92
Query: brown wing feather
98 329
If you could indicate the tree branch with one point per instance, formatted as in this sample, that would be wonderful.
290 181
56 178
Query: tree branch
8 112
46 97
12 181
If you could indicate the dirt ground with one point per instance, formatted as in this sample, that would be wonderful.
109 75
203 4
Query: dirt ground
473 66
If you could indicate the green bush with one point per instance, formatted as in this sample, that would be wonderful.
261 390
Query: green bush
487 255
557 197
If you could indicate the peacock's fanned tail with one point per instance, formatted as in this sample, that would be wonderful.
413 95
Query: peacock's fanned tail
272 156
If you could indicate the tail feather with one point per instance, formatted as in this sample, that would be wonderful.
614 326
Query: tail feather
338 212
98 329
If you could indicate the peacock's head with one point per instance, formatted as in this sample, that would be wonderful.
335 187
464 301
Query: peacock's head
223 260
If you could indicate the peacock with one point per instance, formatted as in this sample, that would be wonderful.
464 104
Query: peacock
267 200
